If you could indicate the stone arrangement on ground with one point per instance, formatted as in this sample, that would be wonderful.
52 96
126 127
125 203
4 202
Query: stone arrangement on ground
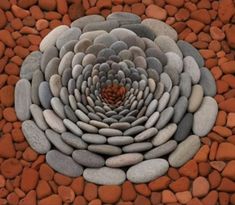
115 99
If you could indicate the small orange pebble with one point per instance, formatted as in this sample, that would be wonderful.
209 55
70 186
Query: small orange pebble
19 12
28 30
52 199
66 193
6 38
228 105
180 185
128 191
109 193
230 79
206 53
9 114
36 12
61 179
221 118
229 170
90 191
156 12
222 86
190 169
7 127
202 154
222 131
137 8
29 154
43 189
168 197
78 185
10 168
80 200
226 151
183 197
217 33
215 46
143 189
231 120
173 173
213 150
2 181
42 24
227 185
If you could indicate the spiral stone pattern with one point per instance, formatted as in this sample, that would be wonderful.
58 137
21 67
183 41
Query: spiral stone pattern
115 98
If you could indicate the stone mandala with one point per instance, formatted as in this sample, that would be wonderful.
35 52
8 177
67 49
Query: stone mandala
115 98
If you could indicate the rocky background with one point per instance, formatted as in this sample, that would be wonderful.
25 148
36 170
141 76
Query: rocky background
207 179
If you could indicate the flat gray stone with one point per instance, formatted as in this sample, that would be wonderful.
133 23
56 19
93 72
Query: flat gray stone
147 170
124 160
156 52
30 65
191 67
91 35
166 81
110 132
174 61
205 116
163 101
51 68
122 33
185 84
35 137
50 53
45 94
207 82
180 109
174 95
134 130
38 117
73 140
87 127
72 127
65 62
124 18
55 85
56 140
196 98
102 25
94 138
165 117
164 134
120 140
137 147
104 176
83 21
152 120
63 164
88 159
185 151
36 81
151 108
58 107
161 150
23 99
105 149
148 133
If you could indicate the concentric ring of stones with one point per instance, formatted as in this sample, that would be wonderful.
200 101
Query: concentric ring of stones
115 98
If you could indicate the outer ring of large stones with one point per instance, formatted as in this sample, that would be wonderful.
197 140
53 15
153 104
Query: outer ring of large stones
161 105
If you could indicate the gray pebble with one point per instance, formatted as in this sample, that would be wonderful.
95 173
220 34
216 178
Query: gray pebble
105 149
180 109
185 84
47 56
36 81
152 120
73 140
72 127
124 18
110 132
102 25
37 115
191 67
120 140
83 21
45 94
174 61
134 130
196 98
94 138
151 108
58 107
163 101
137 147
51 68
55 85
146 134
165 117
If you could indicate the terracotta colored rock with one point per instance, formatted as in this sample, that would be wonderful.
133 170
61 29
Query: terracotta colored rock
194 201
142 200
228 67
226 151
26 3
7 95
230 79
202 154
80 200
156 198
76 11
226 10
196 26
217 33
95 202
177 3
138 9
160 183
229 170
47 5
7 149
109 193
43 189
29 179
3 19
214 179
62 6
222 86
211 198
78 185
200 187
180 185
184 197
13 198
222 131
11 167
154 11
190 169
224 198
128 191
204 168
66 193
201 15
173 173
221 118
61 179
232 199
2 181
46 172
29 199
104 4
231 120
182 14
143 189
168 197
53 199
227 185
230 36
218 165
90 191
228 105
9 114
30 155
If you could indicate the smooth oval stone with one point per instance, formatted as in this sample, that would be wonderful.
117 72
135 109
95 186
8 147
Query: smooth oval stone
102 25
73 140
68 35
205 116
120 140
67 47
45 94
55 85
165 117
180 109
174 61
184 127
167 44
83 21
72 127
38 117
48 54
56 140
82 45
63 164
185 84
106 39
174 95
54 121
70 113
94 138
58 107
207 82
110 132
99 124
30 65
124 18
141 30
184 151
137 147
65 62
161 150
191 67
159 91
35 137
91 35
164 134
105 149
36 81
163 101
188 50
173 74
146 134
124 160
195 99
87 127
156 52
134 130
122 33
82 116
120 125
118 46
88 159
104 176
152 120
23 99
51 38
166 81
151 108
147 170
51 68
160 28
154 63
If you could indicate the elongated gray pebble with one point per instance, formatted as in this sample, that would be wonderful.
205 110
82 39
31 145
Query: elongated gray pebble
73 140
94 138
148 133
105 149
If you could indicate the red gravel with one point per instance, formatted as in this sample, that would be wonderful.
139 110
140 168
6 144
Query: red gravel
207 179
